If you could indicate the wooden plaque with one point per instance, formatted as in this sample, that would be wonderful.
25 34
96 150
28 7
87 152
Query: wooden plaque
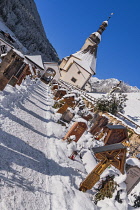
100 123
115 134
77 129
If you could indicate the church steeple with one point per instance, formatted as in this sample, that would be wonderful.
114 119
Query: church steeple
96 36
82 64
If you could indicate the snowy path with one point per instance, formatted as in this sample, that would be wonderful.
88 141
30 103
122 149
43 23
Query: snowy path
35 171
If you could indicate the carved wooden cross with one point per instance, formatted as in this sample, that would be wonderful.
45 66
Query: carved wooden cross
108 155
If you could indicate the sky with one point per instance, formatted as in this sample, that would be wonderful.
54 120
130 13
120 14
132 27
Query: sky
69 23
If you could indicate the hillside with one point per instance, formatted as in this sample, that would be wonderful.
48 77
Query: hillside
36 172
22 18
105 85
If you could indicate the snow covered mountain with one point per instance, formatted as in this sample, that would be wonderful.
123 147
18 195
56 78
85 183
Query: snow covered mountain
22 18
104 86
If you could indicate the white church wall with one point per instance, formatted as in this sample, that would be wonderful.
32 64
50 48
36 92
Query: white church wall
76 75
63 63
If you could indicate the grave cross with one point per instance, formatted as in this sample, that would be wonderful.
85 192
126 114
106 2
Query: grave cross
108 155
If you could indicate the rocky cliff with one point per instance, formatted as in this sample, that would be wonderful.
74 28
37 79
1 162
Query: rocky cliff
22 17
105 85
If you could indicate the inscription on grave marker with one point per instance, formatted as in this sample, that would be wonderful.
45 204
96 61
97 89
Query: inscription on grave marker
133 178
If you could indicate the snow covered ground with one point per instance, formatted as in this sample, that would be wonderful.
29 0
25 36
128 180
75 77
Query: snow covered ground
132 109
36 172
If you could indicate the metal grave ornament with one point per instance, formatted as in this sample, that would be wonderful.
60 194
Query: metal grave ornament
77 129
108 155
115 134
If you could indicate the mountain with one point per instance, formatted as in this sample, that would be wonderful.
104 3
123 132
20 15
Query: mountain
105 85
22 18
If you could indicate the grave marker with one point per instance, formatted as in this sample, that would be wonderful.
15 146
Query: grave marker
77 129
115 134
108 155
133 178
100 123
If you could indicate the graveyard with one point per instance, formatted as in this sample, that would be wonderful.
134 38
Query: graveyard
64 153
61 146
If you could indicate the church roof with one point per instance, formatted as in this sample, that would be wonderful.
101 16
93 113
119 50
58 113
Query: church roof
86 60
36 59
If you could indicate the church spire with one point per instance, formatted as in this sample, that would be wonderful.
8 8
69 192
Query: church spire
96 36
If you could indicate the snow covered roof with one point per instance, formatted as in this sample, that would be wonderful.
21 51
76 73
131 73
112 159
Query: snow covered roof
97 34
37 59
86 60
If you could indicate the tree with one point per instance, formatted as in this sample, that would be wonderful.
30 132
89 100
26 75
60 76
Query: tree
111 103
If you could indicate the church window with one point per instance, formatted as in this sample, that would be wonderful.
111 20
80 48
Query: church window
73 79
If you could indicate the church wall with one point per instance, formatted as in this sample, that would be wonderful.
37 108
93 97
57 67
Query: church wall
72 76
63 63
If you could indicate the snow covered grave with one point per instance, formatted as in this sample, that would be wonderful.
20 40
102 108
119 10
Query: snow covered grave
108 155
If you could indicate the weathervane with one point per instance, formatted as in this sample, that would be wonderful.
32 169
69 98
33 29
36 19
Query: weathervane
110 16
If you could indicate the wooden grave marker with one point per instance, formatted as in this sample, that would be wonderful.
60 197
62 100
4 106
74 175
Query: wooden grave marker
55 87
69 102
77 129
115 134
100 123
59 94
108 155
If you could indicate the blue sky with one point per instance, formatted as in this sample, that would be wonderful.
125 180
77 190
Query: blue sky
69 23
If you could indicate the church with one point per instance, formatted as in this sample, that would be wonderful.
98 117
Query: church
79 67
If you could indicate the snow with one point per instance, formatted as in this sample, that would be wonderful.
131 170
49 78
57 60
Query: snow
36 172
98 35
132 109
4 28
37 59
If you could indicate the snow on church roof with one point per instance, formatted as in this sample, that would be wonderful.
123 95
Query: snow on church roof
37 59
86 60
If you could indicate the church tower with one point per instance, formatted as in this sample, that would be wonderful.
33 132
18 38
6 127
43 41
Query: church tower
79 67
